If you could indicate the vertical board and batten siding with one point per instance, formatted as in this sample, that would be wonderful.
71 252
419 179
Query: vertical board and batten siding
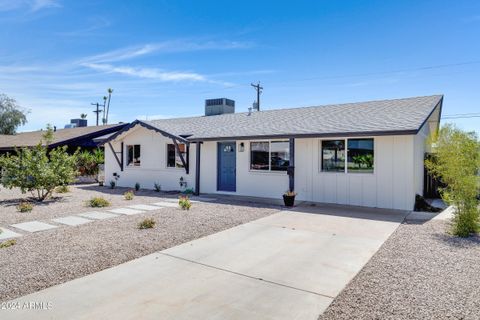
249 182
397 177
390 186
153 166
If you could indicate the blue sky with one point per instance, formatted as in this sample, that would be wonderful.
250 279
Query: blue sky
163 58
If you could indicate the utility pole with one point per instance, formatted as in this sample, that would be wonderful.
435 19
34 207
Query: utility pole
97 111
259 89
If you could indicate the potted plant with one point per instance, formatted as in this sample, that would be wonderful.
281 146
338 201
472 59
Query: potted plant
289 198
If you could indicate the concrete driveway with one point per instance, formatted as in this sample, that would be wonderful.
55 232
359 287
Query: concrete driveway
289 265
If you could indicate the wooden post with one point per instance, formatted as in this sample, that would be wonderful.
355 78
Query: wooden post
197 169
291 166
121 155
187 167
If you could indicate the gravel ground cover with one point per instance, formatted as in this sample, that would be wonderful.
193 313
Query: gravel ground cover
420 272
73 202
43 259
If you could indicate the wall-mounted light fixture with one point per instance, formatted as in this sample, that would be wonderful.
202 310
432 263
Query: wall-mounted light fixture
241 148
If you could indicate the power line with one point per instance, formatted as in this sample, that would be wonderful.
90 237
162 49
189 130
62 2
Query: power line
462 115
422 68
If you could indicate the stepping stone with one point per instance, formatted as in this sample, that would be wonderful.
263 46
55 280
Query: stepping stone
170 200
72 220
204 199
126 211
166 204
7 234
33 226
98 215
144 207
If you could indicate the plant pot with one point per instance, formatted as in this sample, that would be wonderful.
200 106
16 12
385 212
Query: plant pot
288 200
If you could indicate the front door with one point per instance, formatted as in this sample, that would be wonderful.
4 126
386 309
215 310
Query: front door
226 167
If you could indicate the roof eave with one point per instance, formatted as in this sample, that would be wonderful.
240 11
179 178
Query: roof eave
311 135
146 126
438 105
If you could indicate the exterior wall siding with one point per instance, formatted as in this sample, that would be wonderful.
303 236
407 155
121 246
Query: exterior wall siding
389 186
397 176
153 166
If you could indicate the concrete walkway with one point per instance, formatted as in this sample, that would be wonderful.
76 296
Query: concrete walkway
289 265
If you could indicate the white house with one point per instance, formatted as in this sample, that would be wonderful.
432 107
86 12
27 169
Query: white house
366 154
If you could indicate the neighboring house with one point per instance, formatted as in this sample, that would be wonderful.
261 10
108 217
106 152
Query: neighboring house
83 137
366 154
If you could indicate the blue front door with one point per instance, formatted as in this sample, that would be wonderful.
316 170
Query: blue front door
227 167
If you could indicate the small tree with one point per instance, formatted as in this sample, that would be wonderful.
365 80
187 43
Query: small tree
11 115
456 162
37 170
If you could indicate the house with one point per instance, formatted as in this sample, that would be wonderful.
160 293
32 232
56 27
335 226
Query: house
74 137
365 154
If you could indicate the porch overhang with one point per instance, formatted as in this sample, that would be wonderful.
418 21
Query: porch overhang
176 140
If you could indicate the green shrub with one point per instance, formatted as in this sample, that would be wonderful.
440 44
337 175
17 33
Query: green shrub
188 191
147 223
38 169
88 162
8 243
456 162
62 189
157 187
128 195
137 186
98 202
112 184
184 203
25 206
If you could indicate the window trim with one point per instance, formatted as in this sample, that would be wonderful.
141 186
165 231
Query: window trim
166 156
345 171
270 171
126 155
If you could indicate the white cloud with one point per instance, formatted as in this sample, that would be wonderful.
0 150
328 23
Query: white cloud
36 5
164 47
95 23
148 73
32 5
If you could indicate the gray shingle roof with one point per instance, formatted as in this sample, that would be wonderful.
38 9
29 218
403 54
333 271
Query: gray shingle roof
404 116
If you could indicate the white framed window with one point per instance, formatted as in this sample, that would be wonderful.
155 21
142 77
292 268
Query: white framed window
173 157
360 155
269 155
354 155
133 155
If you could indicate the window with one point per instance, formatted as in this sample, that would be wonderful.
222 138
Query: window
173 157
333 155
279 155
259 155
360 155
133 155
356 158
269 155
